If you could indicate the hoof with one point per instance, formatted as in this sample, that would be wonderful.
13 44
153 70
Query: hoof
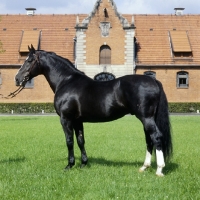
159 171
68 167
142 169
82 166
160 174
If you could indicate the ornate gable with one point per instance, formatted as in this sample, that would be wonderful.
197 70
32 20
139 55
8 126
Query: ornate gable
105 35
86 21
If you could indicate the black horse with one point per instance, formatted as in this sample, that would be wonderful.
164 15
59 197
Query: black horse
79 99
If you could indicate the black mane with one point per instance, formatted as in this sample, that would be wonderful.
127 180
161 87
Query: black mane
65 61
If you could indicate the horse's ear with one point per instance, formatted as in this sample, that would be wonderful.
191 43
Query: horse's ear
32 48
29 48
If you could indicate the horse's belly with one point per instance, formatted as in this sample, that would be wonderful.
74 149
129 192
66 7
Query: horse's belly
103 116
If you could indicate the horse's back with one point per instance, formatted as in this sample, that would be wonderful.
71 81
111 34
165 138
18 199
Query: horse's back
130 94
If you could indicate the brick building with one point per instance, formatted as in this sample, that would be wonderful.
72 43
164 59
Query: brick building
105 44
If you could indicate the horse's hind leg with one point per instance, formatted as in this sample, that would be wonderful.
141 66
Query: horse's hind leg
147 161
78 127
152 132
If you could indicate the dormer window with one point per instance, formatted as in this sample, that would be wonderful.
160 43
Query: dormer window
28 38
180 45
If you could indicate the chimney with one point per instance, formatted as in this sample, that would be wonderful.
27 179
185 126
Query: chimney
179 11
30 11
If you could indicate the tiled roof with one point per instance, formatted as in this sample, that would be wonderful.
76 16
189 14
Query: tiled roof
57 34
152 33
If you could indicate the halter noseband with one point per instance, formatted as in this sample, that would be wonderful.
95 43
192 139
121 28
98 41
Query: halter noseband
36 60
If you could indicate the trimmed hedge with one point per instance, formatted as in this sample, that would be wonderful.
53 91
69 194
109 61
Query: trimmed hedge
184 107
23 108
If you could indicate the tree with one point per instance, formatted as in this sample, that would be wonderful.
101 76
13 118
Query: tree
1 48
1 45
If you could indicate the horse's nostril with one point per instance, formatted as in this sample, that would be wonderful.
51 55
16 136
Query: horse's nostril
17 81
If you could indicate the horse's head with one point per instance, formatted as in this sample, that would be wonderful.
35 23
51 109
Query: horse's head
29 69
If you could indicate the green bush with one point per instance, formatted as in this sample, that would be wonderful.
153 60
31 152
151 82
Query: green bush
184 107
26 108
49 108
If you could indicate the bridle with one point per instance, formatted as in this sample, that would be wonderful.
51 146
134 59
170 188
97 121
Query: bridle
36 56
36 60
26 78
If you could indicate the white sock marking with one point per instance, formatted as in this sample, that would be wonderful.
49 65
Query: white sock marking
147 159
160 158
160 162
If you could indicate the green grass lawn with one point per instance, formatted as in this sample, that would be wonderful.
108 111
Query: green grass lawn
33 155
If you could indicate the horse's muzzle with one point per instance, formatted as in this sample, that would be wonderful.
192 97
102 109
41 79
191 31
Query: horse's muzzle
17 83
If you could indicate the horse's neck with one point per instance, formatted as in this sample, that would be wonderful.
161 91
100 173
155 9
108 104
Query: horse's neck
55 72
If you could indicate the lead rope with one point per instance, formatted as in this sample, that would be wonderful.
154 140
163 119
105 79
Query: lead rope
13 94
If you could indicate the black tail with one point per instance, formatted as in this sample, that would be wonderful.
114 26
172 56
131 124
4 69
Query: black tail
163 123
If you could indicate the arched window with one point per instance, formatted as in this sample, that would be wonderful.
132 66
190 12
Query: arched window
105 55
151 74
182 79
104 76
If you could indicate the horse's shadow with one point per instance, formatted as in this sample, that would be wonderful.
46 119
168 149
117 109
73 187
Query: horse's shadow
13 160
111 163
169 168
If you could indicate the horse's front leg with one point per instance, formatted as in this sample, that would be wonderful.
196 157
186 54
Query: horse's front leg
78 127
69 135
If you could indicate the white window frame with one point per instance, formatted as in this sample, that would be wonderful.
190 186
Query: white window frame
182 79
